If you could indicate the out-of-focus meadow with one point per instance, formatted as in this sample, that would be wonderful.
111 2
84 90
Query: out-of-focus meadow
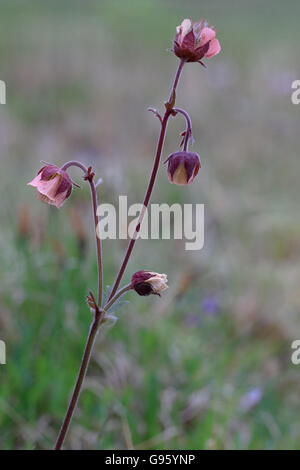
208 365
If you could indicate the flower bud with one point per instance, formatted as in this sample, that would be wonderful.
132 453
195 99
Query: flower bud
53 185
194 41
148 282
183 167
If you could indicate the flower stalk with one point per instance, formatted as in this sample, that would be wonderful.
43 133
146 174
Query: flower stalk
188 132
89 176
164 123
99 317
80 378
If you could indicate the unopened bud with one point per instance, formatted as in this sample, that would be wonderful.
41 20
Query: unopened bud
148 282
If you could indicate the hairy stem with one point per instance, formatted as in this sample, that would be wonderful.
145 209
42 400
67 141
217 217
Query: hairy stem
95 324
98 242
90 179
176 79
120 292
152 179
77 389
188 132
84 366
75 163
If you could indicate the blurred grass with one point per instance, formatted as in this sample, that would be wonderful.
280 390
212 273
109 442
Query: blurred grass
173 373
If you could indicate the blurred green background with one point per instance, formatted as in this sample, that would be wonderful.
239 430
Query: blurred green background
208 365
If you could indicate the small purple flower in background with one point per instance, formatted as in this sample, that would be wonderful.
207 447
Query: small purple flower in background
193 320
210 305
53 185
251 399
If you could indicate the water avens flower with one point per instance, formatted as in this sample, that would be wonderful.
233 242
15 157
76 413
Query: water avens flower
183 167
148 282
53 185
194 41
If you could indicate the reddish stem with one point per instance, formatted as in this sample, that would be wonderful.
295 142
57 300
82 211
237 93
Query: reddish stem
81 375
75 163
152 179
98 317
188 132
89 176
176 79
98 242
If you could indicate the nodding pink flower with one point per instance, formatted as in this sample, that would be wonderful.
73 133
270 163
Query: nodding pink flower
194 41
53 185
148 282
183 167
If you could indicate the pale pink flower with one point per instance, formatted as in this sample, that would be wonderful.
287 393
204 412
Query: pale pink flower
53 185
194 41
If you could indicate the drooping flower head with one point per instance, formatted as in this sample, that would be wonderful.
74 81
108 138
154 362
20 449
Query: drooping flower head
53 185
194 41
148 282
183 167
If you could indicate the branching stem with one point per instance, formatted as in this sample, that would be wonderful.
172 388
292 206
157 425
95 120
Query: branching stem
164 123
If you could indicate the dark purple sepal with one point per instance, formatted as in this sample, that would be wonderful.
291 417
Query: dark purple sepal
65 183
143 288
48 172
192 165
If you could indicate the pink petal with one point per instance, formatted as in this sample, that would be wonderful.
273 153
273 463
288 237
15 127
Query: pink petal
197 27
183 29
49 188
35 181
214 48
207 34
44 198
60 199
